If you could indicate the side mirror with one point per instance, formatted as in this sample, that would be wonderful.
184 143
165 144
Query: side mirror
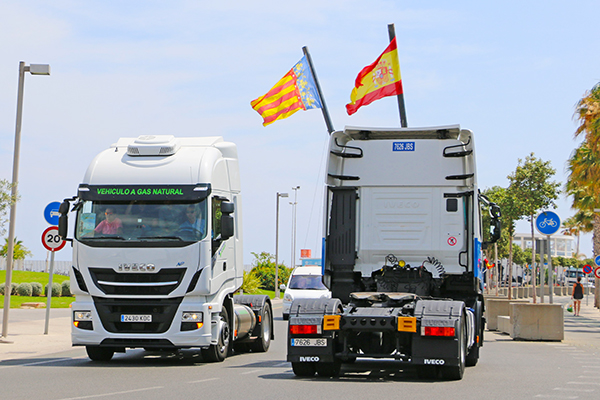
227 207
63 220
227 222
495 230
282 287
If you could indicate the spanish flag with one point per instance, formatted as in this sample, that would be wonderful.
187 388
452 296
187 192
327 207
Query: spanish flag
380 79
295 91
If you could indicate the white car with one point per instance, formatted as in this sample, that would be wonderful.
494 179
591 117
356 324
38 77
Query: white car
304 283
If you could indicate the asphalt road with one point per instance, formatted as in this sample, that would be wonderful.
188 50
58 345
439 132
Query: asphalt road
507 370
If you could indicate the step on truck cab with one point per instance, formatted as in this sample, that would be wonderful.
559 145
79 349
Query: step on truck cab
402 255
157 251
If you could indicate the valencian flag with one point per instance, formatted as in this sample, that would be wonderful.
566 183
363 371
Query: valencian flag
295 91
380 79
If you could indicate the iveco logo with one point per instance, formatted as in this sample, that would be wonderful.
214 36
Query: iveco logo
136 267
433 361
309 359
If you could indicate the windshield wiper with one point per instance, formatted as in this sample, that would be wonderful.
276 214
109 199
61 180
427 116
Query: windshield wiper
104 238
160 238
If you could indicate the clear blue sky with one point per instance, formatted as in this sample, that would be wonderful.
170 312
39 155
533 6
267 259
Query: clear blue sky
510 71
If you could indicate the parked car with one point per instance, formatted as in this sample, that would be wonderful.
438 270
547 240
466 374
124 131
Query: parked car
304 283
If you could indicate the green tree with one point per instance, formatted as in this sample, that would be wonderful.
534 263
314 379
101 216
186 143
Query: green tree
19 251
6 200
531 185
263 267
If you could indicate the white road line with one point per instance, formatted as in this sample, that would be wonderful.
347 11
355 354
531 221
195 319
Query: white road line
37 363
251 372
587 377
205 380
554 396
576 390
584 383
590 366
112 393
283 364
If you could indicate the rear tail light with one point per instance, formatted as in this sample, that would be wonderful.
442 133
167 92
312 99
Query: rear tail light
437 331
304 329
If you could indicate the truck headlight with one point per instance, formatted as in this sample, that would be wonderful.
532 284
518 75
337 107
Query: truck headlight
83 319
192 320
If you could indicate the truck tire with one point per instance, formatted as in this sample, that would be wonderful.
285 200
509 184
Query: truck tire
455 373
473 354
219 351
97 353
304 369
328 369
261 345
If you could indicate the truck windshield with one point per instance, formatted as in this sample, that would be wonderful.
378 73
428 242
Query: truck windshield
138 221
307 282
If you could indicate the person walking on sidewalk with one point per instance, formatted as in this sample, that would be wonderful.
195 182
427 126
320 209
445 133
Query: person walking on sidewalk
577 295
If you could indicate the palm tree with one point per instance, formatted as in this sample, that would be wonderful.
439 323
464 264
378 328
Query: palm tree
583 182
19 251
581 222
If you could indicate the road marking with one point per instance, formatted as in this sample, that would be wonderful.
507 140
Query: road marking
251 372
590 366
283 364
205 380
112 393
38 362
584 383
575 390
554 396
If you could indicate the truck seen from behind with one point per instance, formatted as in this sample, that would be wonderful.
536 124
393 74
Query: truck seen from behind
403 238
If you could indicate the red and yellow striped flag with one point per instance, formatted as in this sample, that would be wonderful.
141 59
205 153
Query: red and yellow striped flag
380 79
295 91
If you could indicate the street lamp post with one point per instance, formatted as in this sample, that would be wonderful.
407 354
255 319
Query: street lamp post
33 69
277 244
293 262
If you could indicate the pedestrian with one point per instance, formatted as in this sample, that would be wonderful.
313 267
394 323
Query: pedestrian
577 295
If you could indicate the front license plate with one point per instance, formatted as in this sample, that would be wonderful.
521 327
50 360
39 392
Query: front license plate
135 318
309 342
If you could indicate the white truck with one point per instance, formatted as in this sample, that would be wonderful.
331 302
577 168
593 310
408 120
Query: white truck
403 240
157 251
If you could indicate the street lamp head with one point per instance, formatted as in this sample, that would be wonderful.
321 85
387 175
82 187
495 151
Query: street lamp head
282 194
39 69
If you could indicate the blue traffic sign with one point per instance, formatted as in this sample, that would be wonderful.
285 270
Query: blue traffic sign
51 213
547 223
597 260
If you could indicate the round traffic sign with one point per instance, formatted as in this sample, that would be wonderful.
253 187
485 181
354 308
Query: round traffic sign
51 213
597 260
547 222
51 240
587 269
597 272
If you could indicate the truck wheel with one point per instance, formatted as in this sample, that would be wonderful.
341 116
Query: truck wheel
473 356
97 353
328 369
218 352
303 369
455 373
262 344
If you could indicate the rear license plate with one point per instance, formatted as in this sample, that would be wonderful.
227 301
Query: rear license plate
135 318
309 342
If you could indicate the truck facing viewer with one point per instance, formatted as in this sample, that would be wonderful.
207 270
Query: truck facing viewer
402 247
157 251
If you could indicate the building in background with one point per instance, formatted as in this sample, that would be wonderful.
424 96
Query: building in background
560 245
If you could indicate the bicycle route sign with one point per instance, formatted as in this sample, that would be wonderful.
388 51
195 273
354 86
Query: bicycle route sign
547 223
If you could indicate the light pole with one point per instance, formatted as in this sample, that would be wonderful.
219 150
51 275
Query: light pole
293 262
277 244
33 69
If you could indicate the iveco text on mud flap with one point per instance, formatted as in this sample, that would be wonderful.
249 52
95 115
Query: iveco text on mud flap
157 251
403 237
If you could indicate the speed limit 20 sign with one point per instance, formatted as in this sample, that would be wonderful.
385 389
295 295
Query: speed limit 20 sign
51 240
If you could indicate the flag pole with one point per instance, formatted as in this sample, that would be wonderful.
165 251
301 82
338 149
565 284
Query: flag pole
401 108
324 108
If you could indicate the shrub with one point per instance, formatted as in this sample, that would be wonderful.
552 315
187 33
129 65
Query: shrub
56 289
36 289
66 289
24 289
266 275
251 283
13 292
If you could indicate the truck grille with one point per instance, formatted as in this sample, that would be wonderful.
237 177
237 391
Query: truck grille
162 282
162 311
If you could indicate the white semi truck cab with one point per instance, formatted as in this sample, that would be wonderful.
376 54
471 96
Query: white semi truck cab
157 251
402 254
